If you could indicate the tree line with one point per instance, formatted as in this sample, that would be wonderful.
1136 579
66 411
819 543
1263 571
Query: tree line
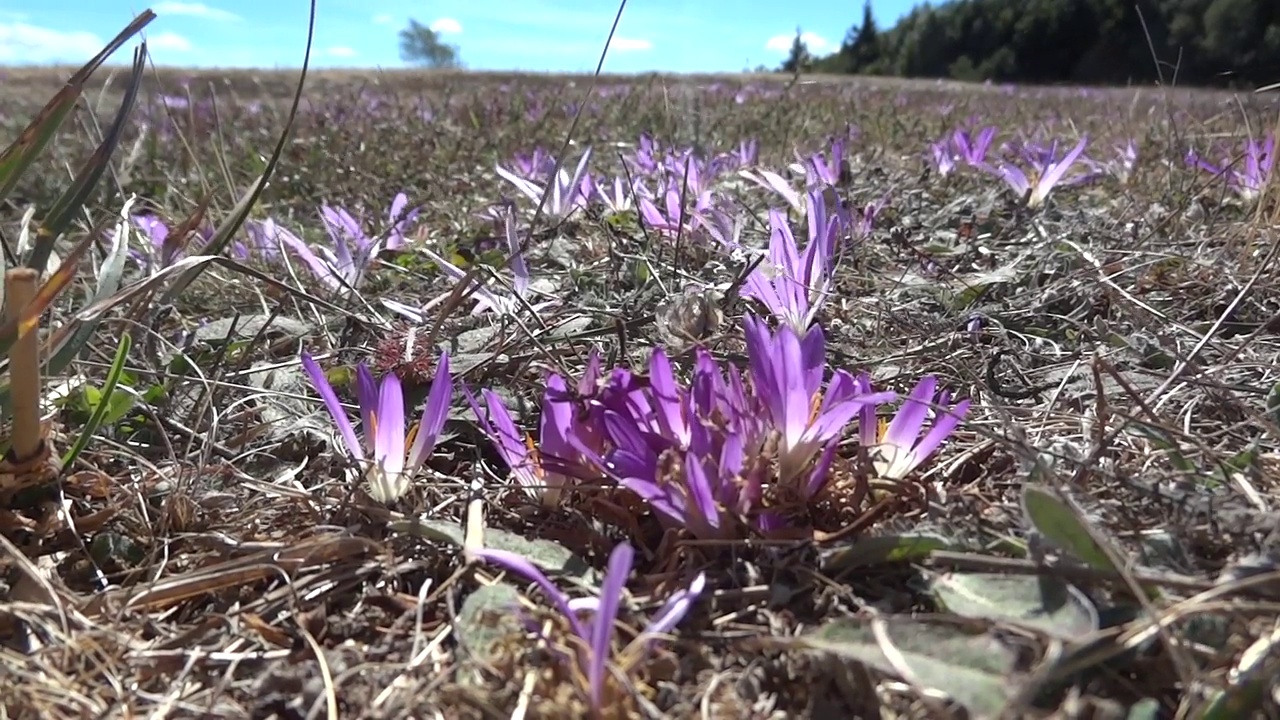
1195 42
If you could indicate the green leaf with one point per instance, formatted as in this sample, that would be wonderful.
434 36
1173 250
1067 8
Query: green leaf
18 157
547 555
1057 521
70 204
1241 462
881 549
102 409
1042 602
1144 709
974 668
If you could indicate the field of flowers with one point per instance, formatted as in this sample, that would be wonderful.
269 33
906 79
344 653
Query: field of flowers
547 397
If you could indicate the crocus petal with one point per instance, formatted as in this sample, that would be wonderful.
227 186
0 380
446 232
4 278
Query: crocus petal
615 581
434 413
943 426
904 429
498 424
387 479
367 397
513 562
698 485
331 403
676 607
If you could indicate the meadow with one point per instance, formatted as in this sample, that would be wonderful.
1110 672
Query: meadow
724 397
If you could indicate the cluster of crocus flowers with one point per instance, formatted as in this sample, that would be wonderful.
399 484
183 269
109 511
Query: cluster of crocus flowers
346 261
564 192
1248 175
708 456
592 623
387 456
1045 169
792 283
962 148
717 455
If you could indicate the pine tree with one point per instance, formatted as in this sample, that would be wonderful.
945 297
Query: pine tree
798 58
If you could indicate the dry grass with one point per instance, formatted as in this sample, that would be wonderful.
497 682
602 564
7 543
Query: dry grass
211 561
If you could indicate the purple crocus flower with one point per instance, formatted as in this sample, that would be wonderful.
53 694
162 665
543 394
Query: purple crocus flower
1047 172
674 218
268 238
1125 162
1247 177
486 299
347 262
565 192
702 455
819 170
899 449
771 180
645 157
616 197
793 284
399 219
681 450
543 469
534 166
165 248
591 654
390 470
787 373
943 159
973 150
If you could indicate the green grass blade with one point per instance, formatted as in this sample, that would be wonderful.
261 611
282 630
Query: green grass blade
109 277
19 156
227 229
100 411
71 203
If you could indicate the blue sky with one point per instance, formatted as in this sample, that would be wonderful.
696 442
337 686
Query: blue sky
540 35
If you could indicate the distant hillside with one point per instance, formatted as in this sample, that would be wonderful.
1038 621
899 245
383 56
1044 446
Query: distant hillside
1197 42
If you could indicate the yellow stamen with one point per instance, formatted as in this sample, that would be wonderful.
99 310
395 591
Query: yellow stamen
815 405
411 436
535 458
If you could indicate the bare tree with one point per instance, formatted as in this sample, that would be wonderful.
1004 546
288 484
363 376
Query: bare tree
421 45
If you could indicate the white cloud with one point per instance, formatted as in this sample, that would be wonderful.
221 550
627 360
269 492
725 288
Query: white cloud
626 44
23 43
169 41
813 41
447 26
199 10
382 19
341 51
